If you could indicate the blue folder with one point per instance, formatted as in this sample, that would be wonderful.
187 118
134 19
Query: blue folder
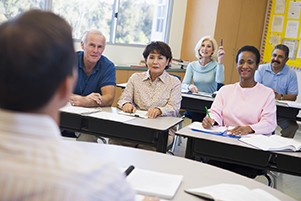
224 134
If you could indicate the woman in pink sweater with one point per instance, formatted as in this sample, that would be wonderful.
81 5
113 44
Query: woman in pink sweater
247 106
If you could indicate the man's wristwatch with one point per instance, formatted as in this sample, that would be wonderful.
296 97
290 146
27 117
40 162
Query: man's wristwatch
281 97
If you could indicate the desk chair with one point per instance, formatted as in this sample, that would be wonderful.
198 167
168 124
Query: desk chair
71 134
171 147
271 177
187 114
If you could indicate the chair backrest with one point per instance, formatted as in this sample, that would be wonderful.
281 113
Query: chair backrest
175 76
219 85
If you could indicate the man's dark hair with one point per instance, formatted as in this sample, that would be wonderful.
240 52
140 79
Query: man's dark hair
249 48
283 48
159 48
36 55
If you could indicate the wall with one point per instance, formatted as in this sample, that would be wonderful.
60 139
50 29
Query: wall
127 54
200 21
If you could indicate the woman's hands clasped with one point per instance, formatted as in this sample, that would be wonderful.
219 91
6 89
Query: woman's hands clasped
152 112
241 130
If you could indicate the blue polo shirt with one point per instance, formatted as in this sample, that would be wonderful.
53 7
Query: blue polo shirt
284 82
103 74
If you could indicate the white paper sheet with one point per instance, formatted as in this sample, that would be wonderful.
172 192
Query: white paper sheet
279 7
138 113
79 110
233 192
292 45
271 143
293 104
112 116
277 23
153 183
291 30
294 10
299 50
198 126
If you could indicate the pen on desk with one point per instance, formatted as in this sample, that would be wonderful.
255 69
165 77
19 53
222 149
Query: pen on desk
129 170
208 114
221 42
91 112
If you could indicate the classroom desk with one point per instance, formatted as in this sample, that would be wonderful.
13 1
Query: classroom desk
145 131
232 150
197 103
122 85
195 174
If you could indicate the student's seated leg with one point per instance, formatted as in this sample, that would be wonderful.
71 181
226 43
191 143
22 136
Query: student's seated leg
196 116
122 142
239 169
289 127
66 133
140 146
86 137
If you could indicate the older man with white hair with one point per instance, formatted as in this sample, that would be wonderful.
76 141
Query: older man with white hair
96 76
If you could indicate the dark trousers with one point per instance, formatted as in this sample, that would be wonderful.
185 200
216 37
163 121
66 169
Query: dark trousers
195 116
239 169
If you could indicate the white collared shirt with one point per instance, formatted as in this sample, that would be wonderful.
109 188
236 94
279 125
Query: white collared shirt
36 164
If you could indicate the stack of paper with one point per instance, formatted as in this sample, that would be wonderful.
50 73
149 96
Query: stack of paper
293 104
272 142
231 192
79 110
216 130
112 116
197 126
203 94
154 184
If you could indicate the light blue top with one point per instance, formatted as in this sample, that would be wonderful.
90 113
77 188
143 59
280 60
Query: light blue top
205 78
284 82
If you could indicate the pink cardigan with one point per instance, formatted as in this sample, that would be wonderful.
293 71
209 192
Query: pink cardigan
237 106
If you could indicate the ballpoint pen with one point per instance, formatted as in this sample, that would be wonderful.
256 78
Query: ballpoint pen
221 42
208 114
129 170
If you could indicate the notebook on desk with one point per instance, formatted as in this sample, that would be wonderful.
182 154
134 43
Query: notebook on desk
293 104
231 192
205 94
155 184
80 110
216 130
272 142
137 113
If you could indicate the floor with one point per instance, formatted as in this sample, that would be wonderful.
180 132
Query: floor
288 184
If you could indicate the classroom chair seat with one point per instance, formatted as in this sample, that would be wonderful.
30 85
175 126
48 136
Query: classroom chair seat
271 177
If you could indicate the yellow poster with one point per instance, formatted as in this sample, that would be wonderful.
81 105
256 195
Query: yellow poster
282 26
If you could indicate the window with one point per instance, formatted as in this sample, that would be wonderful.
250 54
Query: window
121 21
11 8
85 14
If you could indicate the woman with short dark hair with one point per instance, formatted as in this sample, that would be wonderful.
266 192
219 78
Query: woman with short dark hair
155 91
